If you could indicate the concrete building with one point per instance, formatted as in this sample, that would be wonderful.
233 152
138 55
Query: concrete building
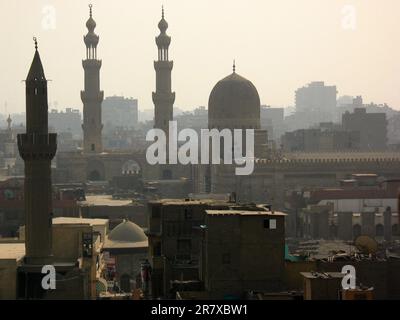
11 258
12 205
68 121
360 206
372 128
317 100
322 286
119 112
242 251
175 236
327 137
272 120
92 97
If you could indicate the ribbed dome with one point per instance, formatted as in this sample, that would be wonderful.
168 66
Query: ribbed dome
127 231
163 25
234 103
91 24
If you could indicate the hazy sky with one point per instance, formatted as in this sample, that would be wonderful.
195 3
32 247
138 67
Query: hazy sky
279 45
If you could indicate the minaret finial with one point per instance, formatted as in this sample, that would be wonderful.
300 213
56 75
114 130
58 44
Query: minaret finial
90 9
234 66
36 45
162 11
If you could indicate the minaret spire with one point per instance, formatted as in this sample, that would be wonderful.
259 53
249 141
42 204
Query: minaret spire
9 120
163 97
37 148
36 44
234 66
92 96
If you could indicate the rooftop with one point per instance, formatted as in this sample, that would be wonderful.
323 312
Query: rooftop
322 275
104 200
245 213
67 220
12 251
178 202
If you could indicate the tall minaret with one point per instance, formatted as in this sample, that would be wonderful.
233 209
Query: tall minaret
163 98
92 97
37 148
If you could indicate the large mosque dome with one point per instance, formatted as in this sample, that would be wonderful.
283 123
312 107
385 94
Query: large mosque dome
127 231
234 103
126 235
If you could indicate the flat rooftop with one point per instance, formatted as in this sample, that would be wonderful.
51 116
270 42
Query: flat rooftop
322 275
12 251
245 213
178 202
68 220
104 200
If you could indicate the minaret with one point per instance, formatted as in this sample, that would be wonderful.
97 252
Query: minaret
37 148
92 97
163 98
9 121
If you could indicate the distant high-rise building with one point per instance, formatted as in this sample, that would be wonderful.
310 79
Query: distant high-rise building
372 128
120 112
69 121
163 98
272 120
92 97
318 99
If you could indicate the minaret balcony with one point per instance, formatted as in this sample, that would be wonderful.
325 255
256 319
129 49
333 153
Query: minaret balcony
90 97
163 65
37 146
91 64
163 97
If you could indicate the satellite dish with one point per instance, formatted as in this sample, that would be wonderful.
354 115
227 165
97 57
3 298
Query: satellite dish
366 244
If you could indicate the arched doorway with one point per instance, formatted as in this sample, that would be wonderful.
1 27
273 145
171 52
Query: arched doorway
95 170
125 283
94 176
356 231
379 230
131 167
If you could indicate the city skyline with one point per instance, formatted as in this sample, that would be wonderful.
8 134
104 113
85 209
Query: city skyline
298 51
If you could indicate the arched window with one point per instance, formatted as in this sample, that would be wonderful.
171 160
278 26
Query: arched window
379 230
356 231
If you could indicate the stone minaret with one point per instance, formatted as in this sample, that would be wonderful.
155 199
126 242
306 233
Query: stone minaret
37 148
92 97
163 98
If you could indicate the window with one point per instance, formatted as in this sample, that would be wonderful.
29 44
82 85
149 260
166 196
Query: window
226 258
270 224
87 245
93 147
188 214
184 246
157 249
